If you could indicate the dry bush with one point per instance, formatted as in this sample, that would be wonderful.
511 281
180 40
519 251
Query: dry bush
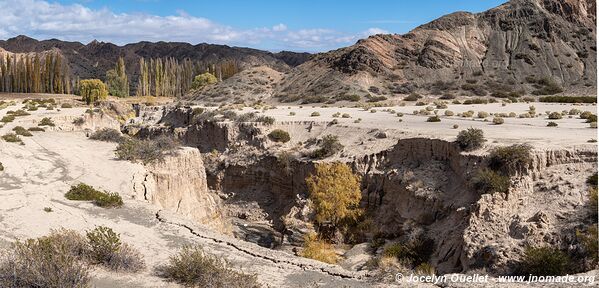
471 139
489 181
105 247
328 147
194 268
146 151
318 249
510 159
107 135
52 261
279 135
46 122
544 261
19 130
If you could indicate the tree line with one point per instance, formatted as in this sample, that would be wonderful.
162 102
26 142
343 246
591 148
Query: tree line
48 72
36 73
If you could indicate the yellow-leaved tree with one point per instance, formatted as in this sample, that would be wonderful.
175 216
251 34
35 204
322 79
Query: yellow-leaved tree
335 193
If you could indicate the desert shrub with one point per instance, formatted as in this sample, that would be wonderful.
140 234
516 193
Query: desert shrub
345 115
318 249
11 137
105 247
348 97
593 202
1 167
592 118
589 241
489 181
193 267
471 139
420 103
544 261
475 101
455 126
399 114
336 114
229 114
468 114
483 114
328 147
84 192
375 98
18 113
79 121
555 115
449 113
7 119
592 180
19 130
279 135
46 122
36 129
430 108
512 114
568 99
498 120
146 151
551 124
42 262
66 105
510 158
266 120
245 117
335 193
413 252
412 97
107 135
433 119
315 114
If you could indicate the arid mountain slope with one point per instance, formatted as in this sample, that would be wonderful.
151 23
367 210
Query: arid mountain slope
464 53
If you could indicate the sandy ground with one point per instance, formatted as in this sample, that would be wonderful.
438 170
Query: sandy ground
570 132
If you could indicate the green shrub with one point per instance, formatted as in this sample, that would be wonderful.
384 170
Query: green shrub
510 158
66 105
328 147
193 267
19 130
498 120
551 124
554 115
46 122
12 138
107 135
413 252
448 113
471 139
345 115
412 97
146 151
544 261
315 114
279 135
336 114
489 181
104 247
18 113
589 240
84 192
36 129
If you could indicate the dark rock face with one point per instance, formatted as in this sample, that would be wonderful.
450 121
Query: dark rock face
552 39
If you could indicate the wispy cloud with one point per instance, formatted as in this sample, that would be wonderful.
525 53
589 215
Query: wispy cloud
76 22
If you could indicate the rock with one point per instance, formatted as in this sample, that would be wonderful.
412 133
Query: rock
356 257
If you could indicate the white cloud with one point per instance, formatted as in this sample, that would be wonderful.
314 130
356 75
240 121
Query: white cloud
374 30
75 22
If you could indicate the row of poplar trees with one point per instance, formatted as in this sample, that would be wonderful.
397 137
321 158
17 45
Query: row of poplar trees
48 72
170 77
35 73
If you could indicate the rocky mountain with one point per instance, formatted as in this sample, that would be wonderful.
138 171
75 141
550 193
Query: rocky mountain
521 47
94 59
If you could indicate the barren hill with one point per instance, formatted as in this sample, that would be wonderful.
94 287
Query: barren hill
523 46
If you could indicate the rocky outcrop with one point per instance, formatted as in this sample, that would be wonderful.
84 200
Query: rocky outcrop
178 184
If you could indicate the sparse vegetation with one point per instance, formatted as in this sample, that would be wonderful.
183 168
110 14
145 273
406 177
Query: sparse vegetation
498 120
433 119
46 122
551 124
12 138
279 135
489 181
105 247
471 139
328 147
146 151
318 249
193 267
510 158
414 252
19 130
84 192
544 261
554 115
568 99
107 135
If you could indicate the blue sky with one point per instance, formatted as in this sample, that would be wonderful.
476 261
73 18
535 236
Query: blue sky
273 25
